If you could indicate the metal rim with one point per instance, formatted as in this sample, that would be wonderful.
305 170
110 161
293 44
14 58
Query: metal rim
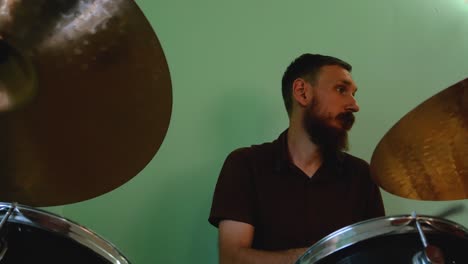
376 227
57 224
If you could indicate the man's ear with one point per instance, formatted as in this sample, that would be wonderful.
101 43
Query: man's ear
300 92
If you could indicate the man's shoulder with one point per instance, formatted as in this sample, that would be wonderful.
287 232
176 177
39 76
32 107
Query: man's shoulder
256 152
257 148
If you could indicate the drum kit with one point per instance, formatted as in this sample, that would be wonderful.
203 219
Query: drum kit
74 73
80 80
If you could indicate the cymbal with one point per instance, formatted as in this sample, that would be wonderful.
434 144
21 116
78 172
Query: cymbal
424 156
85 98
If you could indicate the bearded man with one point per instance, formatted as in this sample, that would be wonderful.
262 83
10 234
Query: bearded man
273 201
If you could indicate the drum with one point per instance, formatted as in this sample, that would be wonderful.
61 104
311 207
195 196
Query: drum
31 235
392 239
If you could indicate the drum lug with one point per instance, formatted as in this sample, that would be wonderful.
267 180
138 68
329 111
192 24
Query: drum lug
430 254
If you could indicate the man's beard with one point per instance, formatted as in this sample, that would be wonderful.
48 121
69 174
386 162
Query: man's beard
328 138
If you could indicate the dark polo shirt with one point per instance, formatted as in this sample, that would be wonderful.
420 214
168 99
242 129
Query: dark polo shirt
260 186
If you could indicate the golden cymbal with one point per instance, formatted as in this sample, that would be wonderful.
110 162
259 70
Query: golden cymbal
425 155
85 98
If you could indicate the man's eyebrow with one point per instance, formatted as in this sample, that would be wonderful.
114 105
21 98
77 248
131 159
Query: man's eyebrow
349 83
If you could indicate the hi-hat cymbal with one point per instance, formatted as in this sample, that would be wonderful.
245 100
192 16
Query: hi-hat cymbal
85 98
425 155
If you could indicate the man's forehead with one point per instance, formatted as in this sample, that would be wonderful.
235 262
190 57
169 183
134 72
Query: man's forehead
336 73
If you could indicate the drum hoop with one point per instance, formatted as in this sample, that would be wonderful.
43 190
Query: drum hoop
376 227
84 236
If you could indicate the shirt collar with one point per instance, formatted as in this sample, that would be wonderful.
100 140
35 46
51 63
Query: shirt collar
283 161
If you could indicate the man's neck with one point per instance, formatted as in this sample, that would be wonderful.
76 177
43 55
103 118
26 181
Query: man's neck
303 152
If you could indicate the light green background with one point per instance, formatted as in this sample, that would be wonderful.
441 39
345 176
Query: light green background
226 59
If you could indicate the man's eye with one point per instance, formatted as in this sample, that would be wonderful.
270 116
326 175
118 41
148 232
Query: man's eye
341 89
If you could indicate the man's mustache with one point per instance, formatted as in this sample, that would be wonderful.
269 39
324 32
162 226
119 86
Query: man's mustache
346 119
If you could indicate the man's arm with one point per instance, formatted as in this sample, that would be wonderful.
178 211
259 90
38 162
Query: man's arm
235 247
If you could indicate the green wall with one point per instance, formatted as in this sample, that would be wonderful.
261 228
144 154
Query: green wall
226 60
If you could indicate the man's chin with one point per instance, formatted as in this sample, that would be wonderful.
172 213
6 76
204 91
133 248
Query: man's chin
335 141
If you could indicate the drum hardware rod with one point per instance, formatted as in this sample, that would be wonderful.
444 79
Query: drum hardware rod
3 242
420 257
7 215
3 248
420 231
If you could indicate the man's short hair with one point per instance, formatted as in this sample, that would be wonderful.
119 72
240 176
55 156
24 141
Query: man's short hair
306 66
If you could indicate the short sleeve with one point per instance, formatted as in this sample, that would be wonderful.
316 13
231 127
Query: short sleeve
234 192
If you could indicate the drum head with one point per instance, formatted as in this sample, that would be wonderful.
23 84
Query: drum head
389 240
34 236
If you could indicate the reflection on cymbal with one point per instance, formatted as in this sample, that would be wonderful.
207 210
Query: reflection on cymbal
425 155
85 98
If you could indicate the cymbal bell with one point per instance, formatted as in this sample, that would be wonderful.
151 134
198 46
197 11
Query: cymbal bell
85 98
424 156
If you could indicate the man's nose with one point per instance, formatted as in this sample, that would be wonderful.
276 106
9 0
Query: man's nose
352 105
